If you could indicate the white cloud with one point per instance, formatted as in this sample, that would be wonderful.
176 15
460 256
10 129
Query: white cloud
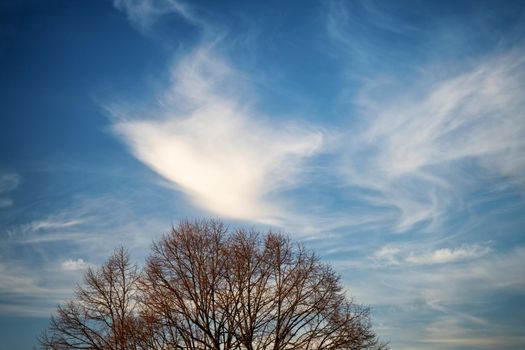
210 143
394 255
73 265
447 255
421 149
476 280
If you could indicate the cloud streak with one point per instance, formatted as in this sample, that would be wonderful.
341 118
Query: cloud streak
392 255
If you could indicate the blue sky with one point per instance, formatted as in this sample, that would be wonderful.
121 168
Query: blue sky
389 136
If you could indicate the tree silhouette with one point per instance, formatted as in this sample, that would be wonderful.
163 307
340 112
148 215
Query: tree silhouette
205 288
102 316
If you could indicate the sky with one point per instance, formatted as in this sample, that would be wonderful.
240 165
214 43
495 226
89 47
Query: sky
387 136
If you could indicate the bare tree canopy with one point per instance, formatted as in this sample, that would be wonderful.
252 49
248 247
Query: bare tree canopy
102 316
206 288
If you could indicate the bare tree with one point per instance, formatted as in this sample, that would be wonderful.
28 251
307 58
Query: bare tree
103 313
246 290
206 288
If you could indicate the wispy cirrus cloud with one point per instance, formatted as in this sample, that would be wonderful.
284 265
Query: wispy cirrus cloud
49 229
408 151
429 291
51 224
209 141
423 136
436 145
421 150
439 286
26 293
40 259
